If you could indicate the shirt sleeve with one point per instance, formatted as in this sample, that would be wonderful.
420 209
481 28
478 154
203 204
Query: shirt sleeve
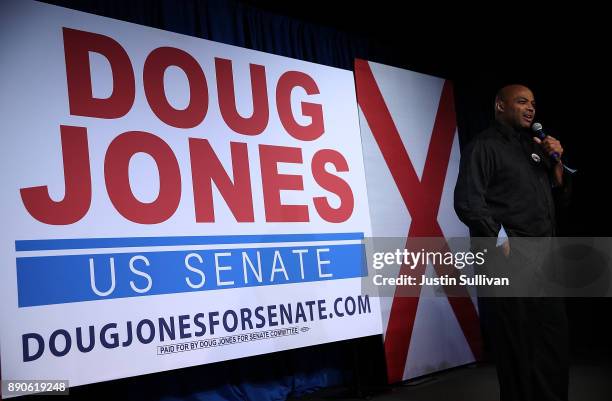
475 172
562 194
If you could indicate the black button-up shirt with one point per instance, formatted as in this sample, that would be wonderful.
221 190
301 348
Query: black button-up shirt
505 178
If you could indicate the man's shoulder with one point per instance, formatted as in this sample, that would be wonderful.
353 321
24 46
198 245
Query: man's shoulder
489 134
488 137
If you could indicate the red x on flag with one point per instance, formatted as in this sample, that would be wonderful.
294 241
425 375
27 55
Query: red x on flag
422 199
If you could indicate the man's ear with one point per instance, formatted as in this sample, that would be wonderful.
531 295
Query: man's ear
499 106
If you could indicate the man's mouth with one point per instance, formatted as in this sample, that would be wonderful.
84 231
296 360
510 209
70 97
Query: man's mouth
528 117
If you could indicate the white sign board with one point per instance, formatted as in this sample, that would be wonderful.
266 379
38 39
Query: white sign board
170 201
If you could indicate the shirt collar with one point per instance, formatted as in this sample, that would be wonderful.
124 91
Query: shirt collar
510 132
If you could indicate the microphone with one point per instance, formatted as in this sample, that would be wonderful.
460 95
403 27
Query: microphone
537 128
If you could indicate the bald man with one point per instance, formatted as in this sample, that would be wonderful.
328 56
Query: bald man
506 188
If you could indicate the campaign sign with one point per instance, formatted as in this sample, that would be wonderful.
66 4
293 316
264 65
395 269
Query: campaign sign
170 201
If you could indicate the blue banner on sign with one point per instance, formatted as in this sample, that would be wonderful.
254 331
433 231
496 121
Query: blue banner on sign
45 280
91 243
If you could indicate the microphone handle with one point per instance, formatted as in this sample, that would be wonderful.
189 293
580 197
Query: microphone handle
554 155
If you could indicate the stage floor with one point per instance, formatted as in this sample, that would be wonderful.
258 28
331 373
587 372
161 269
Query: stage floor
590 381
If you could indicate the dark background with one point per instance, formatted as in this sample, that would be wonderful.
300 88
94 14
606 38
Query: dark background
557 53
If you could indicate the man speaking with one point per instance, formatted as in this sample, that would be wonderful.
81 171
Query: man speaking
508 181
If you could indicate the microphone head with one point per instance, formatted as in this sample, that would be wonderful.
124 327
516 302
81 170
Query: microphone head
536 127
